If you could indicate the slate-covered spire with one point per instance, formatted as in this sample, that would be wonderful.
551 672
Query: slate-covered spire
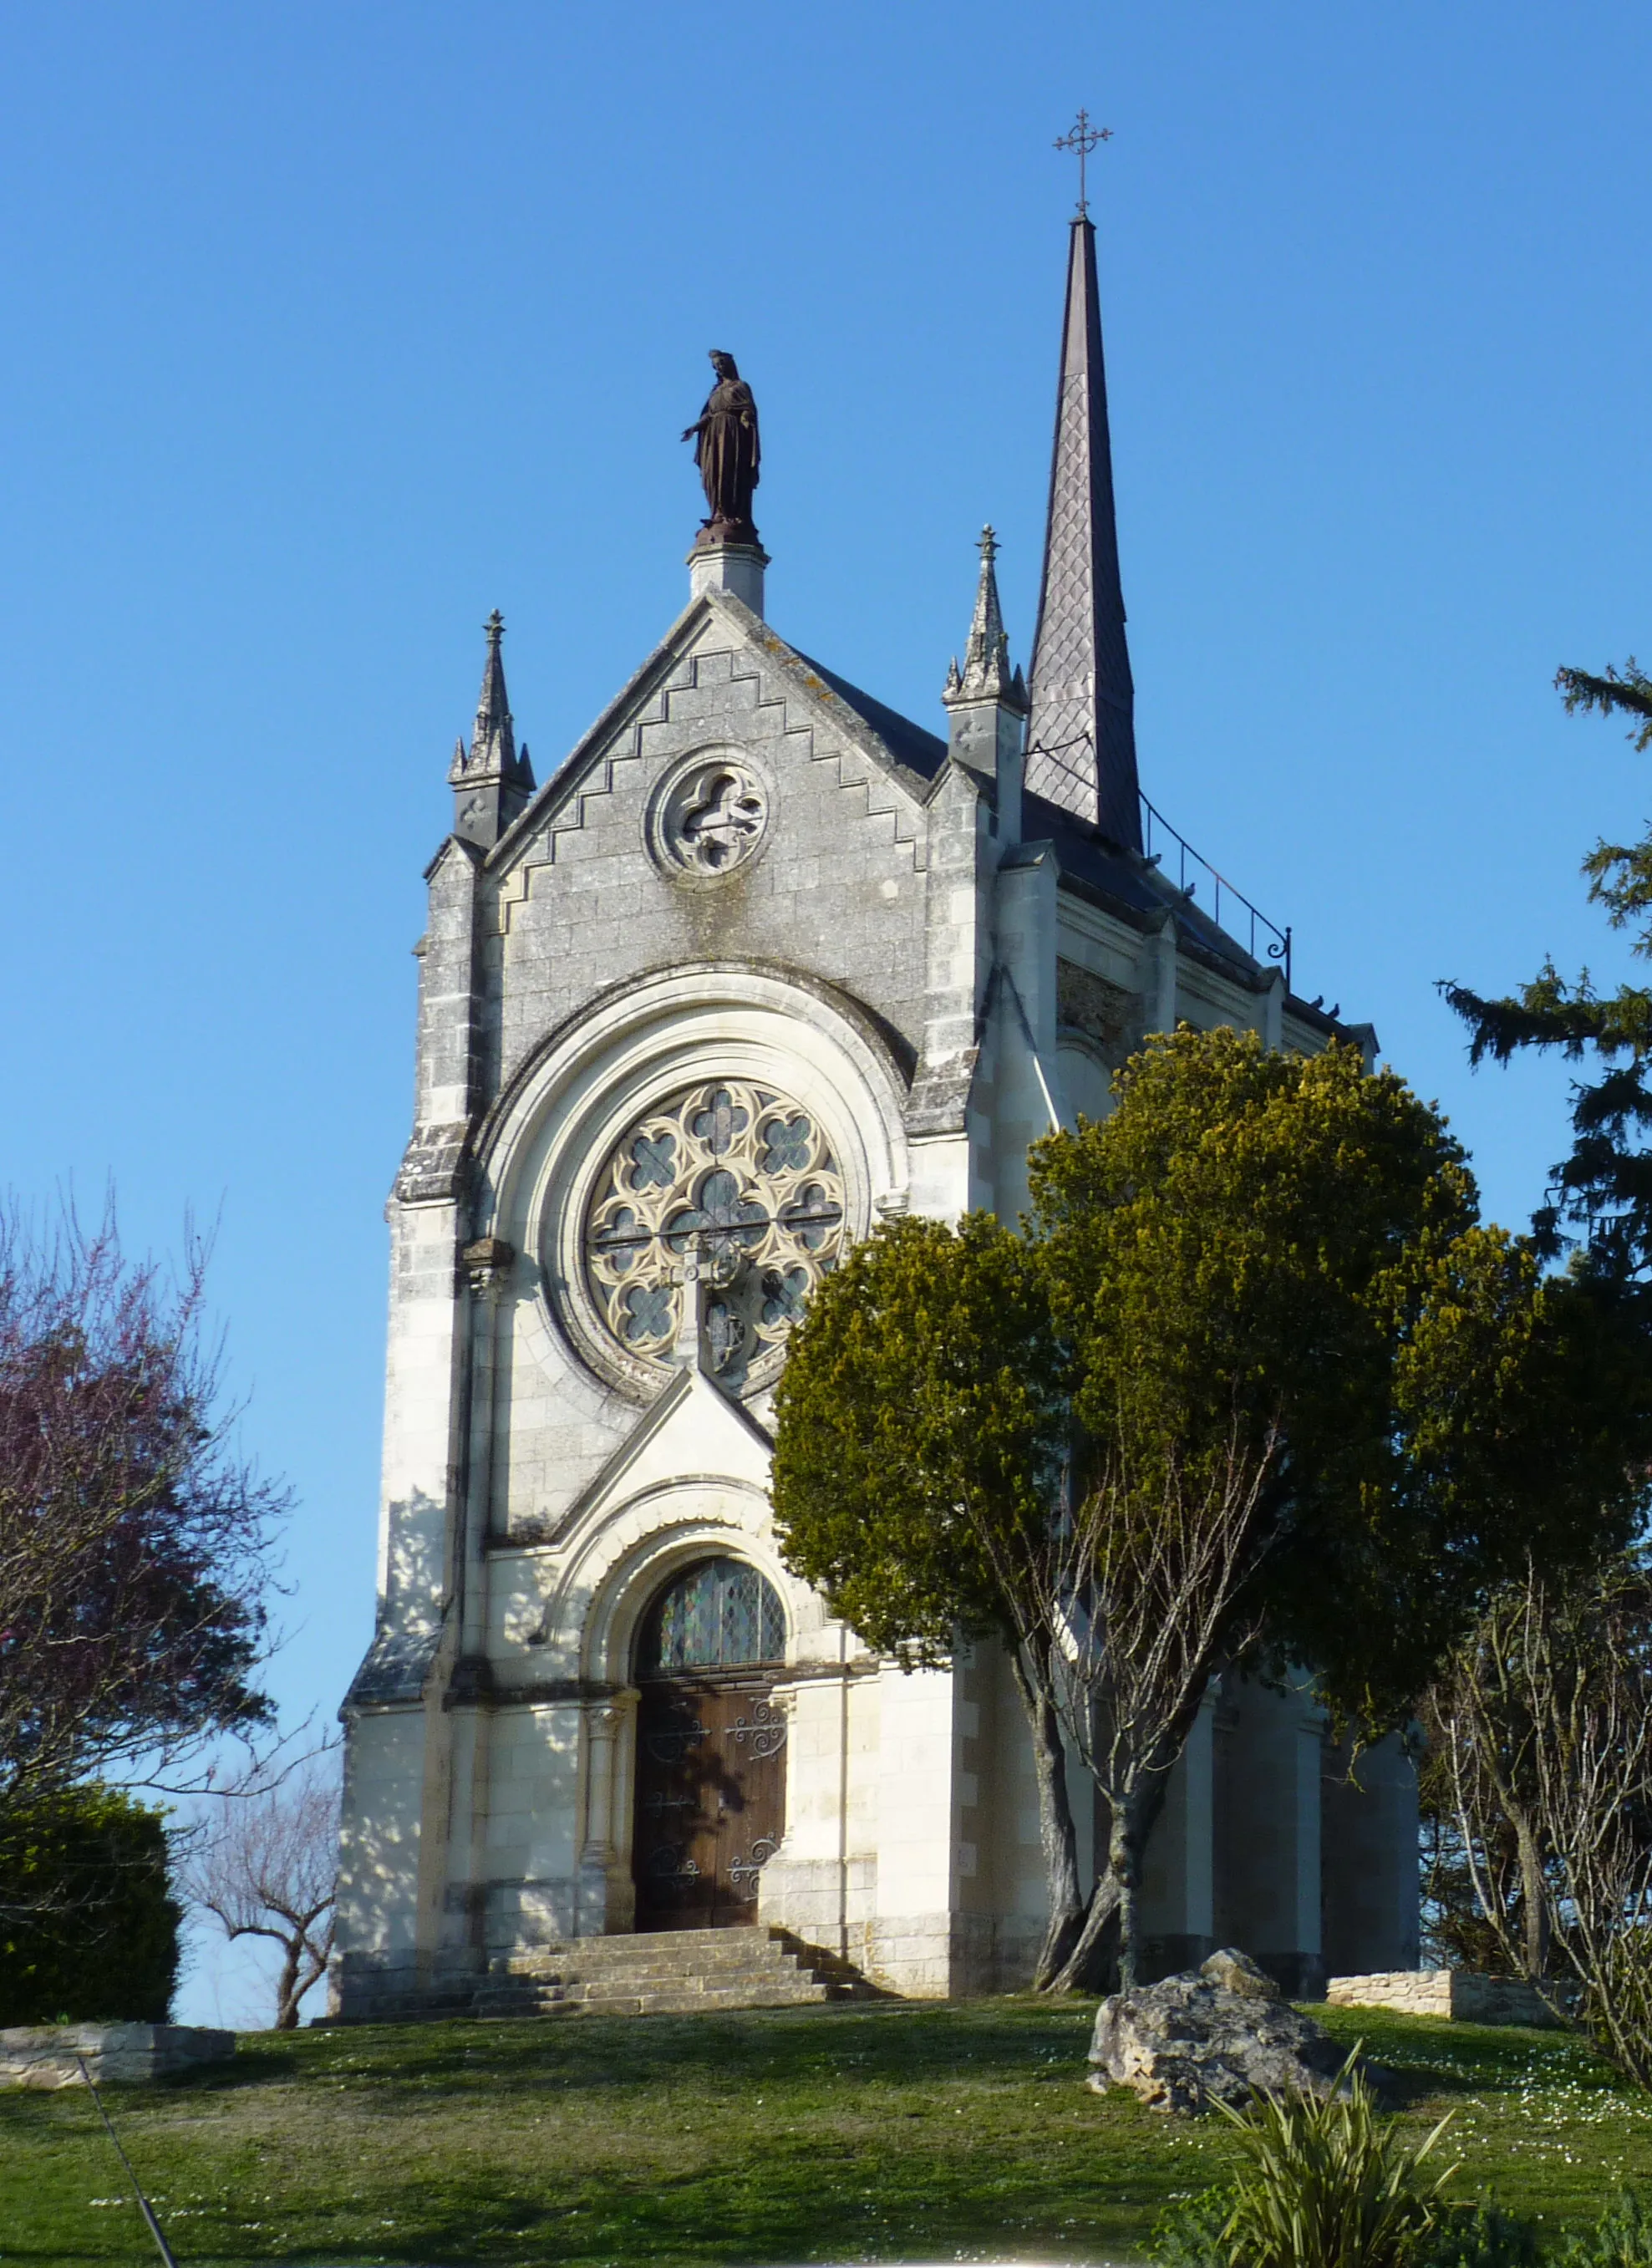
492 783
1081 743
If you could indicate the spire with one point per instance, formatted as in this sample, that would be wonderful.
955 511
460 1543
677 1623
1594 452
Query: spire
493 782
1082 751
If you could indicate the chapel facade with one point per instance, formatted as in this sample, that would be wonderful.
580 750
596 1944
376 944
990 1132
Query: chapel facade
763 965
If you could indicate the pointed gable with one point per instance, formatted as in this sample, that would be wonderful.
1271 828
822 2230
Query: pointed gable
713 625
725 727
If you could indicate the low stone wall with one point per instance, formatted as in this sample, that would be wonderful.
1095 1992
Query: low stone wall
1450 1992
115 2054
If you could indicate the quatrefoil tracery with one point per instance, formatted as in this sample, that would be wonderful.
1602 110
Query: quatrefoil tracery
738 1179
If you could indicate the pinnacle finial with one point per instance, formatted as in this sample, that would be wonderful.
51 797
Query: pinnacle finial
492 752
492 781
986 674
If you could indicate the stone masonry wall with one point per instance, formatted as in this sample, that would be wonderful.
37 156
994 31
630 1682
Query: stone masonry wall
1450 1992
116 2055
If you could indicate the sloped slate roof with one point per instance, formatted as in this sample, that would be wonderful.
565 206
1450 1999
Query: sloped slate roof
922 752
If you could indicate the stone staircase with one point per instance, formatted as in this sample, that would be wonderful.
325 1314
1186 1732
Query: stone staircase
676 1972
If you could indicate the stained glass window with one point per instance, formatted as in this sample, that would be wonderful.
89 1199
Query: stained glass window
717 1616
739 1178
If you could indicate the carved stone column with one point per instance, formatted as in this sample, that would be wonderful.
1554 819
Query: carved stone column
606 1897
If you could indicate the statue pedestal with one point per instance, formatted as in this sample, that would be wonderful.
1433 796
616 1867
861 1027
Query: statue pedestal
735 568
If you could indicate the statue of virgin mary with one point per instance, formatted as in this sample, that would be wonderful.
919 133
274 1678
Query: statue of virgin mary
728 453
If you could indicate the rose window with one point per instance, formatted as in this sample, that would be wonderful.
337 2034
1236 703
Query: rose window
729 1191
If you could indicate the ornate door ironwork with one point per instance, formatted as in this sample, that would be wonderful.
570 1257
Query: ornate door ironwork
710 1800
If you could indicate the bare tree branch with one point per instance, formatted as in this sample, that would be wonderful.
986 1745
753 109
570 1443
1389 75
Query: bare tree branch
1542 1728
1136 1596
267 1866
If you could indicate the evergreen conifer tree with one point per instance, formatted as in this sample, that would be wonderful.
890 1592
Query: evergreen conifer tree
1600 1197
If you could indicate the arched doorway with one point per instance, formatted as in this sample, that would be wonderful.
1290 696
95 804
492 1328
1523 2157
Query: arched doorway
711 1747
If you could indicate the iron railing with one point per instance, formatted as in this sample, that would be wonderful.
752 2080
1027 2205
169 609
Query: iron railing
1275 941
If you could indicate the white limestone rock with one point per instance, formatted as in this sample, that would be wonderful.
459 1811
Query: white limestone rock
1222 2032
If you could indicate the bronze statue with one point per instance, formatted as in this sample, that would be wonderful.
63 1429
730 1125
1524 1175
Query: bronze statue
727 450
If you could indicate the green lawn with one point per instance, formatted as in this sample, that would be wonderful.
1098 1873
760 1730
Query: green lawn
885 2131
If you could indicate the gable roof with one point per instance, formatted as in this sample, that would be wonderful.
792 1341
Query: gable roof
1089 860
904 751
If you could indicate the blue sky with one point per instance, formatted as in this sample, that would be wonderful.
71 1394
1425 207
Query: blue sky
331 327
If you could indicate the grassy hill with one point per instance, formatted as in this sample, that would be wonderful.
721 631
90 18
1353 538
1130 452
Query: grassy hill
886 2131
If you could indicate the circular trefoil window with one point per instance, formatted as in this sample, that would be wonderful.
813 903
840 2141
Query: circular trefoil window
736 1181
709 819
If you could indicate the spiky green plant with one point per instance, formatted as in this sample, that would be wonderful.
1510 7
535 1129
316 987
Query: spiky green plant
1331 2183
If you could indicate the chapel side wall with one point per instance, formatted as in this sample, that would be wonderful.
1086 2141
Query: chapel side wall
1009 1890
1269 1763
1370 1861
399 1764
822 1884
1177 1907
918 1946
379 1859
529 1845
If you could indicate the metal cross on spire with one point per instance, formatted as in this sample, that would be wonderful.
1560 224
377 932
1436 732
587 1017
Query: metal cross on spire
1083 138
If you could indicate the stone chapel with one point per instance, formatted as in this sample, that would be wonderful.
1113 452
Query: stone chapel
761 965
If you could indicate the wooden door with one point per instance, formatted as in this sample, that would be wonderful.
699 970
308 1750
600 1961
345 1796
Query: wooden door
710 1800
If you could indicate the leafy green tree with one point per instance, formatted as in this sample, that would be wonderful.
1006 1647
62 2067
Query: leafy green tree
1312 1412
922 1428
1600 1197
1280 1301
88 1924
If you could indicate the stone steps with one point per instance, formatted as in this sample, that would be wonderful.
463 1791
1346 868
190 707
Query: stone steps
657 1973
664 1973
436 2004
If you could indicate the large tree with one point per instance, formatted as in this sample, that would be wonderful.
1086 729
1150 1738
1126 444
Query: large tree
923 1425
1308 1413
133 1536
1600 1195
